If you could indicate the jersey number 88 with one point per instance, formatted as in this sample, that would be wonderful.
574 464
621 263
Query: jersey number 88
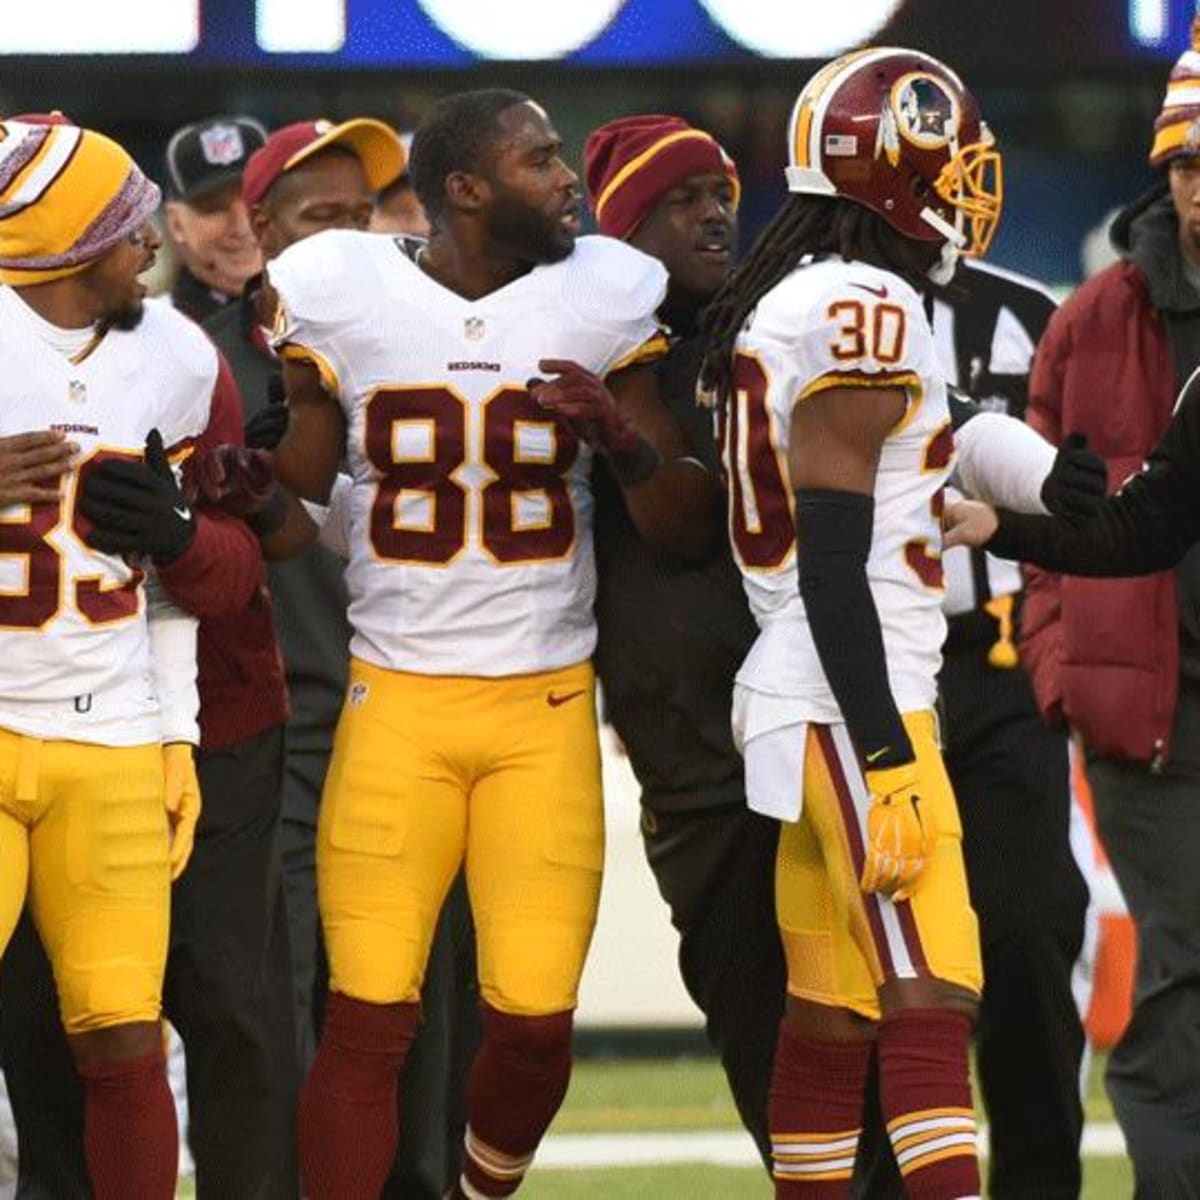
509 417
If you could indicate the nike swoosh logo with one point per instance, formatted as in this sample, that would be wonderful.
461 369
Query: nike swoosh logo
877 754
880 291
184 514
554 701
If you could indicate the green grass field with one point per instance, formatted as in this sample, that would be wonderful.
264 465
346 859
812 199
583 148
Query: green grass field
643 1096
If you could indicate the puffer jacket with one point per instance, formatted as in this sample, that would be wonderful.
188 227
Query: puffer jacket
1104 655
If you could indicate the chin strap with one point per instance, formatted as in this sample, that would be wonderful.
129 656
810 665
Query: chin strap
942 271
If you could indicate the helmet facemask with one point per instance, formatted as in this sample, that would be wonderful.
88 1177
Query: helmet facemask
972 182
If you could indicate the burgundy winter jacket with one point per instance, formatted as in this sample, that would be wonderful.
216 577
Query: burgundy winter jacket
1104 654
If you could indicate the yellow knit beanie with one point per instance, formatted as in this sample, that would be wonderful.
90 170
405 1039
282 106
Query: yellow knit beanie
67 196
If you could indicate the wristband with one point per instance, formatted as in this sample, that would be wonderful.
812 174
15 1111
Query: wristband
635 466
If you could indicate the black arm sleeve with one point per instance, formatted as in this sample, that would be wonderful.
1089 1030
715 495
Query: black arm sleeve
833 540
1147 526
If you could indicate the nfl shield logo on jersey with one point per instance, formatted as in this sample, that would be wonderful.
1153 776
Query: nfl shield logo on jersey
77 391
222 145
473 328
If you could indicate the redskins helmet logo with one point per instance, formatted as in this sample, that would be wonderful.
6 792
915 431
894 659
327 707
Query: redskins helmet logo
925 112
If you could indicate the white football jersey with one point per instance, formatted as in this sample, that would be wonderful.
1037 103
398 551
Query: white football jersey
73 629
837 324
471 510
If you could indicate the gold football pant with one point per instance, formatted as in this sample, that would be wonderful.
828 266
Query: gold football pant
429 772
83 830
841 945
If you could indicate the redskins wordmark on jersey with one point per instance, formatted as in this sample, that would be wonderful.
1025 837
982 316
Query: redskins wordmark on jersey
471 511
73 634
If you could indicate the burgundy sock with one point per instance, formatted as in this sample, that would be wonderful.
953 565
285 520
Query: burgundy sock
130 1138
348 1124
815 1114
517 1083
925 1091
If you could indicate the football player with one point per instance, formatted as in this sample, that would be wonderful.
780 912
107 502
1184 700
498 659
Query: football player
469 380
314 175
670 190
97 707
837 440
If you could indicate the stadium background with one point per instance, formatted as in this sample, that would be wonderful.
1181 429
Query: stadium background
1070 89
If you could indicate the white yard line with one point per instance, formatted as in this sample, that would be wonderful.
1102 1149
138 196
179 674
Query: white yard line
718 1147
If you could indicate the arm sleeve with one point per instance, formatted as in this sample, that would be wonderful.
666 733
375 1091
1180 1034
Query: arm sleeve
1147 526
221 570
1002 461
173 659
833 540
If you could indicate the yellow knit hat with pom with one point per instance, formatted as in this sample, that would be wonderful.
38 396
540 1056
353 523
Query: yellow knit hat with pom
67 196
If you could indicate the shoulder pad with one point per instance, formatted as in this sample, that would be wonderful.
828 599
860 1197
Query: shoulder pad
803 300
609 282
180 339
320 278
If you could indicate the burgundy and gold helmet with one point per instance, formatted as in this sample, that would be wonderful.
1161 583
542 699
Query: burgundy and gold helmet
896 131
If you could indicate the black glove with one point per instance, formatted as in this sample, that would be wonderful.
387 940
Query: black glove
137 507
1075 487
266 428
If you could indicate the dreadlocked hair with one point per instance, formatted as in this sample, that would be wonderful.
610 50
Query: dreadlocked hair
805 225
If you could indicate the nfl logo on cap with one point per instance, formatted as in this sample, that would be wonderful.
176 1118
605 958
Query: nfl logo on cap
222 145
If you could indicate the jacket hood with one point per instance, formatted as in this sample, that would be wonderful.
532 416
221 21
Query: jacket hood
1147 233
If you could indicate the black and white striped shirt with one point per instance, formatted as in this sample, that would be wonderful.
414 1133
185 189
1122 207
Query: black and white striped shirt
986 328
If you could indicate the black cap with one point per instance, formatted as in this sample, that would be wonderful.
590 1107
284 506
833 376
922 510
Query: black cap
208 154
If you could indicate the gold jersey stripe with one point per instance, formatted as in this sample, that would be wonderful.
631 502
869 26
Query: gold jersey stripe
298 353
653 348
